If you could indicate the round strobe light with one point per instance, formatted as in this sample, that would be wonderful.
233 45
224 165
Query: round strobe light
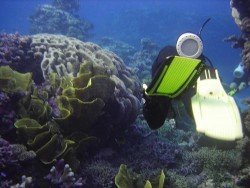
189 45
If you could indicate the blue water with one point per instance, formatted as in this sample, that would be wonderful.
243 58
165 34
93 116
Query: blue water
160 20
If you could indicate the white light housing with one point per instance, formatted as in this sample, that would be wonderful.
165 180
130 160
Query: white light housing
189 45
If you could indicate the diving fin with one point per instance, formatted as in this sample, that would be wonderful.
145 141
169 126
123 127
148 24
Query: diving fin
215 112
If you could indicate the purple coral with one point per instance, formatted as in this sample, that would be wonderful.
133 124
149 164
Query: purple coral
61 174
7 113
7 158
25 182
150 152
12 48
15 52
8 163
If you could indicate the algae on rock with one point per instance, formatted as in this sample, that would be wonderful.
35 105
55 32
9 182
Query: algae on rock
124 179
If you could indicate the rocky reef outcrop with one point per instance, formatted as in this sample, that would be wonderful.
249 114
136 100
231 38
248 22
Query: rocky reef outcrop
241 13
60 18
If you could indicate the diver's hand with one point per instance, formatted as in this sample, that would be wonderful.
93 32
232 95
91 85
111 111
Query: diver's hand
145 97
144 87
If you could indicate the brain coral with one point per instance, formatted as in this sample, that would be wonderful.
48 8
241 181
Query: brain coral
91 71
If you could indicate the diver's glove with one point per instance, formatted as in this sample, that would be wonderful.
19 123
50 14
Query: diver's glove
156 109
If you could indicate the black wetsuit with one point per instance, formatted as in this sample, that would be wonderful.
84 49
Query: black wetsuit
157 108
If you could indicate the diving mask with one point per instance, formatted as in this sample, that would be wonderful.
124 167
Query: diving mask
189 45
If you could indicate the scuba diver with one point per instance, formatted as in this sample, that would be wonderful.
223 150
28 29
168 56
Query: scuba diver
181 73
241 79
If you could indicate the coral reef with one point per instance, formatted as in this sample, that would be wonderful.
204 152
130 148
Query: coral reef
45 140
12 156
210 160
64 55
59 19
149 147
13 86
88 101
67 5
136 149
12 81
243 178
73 103
7 113
15 52
99 173
58 116
144 58
7 157
13 49
185 162
139 60
22 154
246 122
71 57
123 50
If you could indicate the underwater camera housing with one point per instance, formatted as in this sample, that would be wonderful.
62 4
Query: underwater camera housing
190 44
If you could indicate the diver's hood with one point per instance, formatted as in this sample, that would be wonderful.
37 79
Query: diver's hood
189 45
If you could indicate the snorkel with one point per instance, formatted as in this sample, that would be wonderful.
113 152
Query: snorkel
190 44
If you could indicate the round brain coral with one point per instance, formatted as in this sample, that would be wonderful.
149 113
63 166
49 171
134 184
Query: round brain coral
97 80
96 95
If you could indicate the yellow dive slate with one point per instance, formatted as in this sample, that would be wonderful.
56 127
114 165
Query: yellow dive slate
215 112
174 76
